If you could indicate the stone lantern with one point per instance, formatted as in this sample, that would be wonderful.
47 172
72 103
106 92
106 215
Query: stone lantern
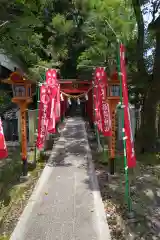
22 96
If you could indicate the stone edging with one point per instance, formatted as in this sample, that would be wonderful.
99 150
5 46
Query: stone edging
103 228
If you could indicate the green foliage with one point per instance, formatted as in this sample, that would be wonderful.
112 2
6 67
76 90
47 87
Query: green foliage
5 100
69 35
63 34
106 23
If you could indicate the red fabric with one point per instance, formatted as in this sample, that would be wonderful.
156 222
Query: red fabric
51 109
52 82
3 148
42 116
51 77
96 92
57 104
131 158
103 106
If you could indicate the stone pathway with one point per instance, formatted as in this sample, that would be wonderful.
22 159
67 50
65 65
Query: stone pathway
66 203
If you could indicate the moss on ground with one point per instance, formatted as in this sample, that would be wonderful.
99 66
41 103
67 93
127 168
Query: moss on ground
13 193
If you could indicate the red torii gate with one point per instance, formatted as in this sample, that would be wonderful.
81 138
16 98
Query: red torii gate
74 86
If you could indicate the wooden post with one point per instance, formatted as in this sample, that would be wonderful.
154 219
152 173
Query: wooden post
113 138
24 138
19 125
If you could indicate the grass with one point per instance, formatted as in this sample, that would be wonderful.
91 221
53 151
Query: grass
4 238
12 191
9 176
13 194
144 192
144 189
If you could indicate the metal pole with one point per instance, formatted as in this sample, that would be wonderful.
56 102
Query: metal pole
112 146
98 139
37 106
127 188
105 157
95 127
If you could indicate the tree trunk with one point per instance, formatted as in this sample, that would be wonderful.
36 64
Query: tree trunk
147 136
140 40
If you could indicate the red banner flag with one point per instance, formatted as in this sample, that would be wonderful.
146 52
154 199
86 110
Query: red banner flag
97 115
3 148
131 158
51 81
51 77
104 109
51 109
58 106
42 118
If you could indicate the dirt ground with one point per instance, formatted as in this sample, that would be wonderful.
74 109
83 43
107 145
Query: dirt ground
14 194
144 192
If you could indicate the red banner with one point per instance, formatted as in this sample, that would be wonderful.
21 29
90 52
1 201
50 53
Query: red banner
42 117
51 109
58 106
104 110
3 148
97 115
51 77
51 80
131 158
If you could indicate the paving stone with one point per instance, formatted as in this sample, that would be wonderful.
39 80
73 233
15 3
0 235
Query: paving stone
65 208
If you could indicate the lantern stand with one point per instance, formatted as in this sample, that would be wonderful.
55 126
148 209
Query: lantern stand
37 106
113 96
22 96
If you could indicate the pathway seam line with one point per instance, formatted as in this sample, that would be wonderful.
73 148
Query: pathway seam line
101 220
46 173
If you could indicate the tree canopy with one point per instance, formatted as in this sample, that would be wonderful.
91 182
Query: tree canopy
69 35
74 36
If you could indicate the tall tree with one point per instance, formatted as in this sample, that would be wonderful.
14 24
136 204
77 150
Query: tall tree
149 78
106 23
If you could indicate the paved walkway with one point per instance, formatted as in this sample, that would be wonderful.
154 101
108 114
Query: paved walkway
66 203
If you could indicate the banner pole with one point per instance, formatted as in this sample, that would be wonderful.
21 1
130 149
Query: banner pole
95 126
105 157
37 108
127 188
98 140
37 105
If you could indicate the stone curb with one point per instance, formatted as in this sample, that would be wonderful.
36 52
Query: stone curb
102 225
21 225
